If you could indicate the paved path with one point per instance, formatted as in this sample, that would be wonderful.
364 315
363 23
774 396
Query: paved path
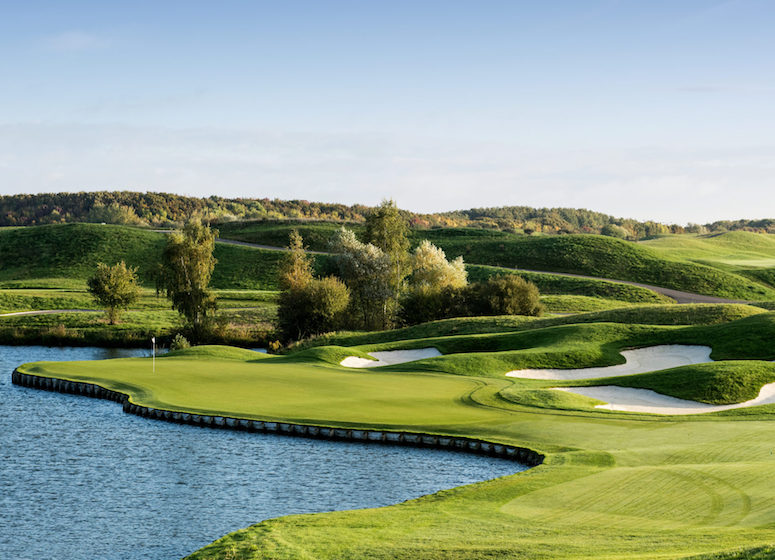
50 312
677 295
265 247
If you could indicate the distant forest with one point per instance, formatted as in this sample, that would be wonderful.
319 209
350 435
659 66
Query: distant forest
170 210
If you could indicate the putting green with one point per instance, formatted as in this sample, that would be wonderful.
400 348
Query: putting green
612 486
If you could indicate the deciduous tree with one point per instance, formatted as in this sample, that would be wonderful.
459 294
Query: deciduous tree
188 264
115 288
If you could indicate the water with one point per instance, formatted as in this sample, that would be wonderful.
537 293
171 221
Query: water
81 480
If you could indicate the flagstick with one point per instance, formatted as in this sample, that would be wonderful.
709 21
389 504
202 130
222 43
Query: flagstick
153 354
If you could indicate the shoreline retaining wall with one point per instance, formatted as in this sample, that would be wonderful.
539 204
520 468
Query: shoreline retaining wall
455 443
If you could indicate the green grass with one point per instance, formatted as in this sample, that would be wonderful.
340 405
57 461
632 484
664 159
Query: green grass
727 382
554 284
697 314
63 256
275 233
737 249
603 257
250 318
677 262
612 486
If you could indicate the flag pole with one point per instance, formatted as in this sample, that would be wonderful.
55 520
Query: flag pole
153 353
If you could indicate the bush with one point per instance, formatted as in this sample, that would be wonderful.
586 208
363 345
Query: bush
499 295
312 308
507 295
179 342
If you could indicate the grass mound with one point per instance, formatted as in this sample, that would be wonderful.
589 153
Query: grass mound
698 314
212 351
727 382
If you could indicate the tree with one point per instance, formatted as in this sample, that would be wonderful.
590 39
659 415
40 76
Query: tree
114 288
388 230
508 294
188 264
613 230
435 285
367 272
432 272
312 308
307 305
296 265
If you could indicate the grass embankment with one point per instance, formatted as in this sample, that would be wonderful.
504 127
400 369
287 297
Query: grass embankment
613 485
593 255
581 345
697 314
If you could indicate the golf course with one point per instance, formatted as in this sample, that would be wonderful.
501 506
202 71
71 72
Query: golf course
611 485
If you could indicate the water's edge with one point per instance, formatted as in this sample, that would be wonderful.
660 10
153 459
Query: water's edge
414 439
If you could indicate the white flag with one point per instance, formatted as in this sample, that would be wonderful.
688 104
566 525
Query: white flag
153 340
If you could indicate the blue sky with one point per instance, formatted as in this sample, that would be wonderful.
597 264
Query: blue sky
640 109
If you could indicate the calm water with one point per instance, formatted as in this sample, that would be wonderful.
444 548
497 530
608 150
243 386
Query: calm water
79 479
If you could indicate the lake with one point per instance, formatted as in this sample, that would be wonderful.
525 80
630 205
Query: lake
81 480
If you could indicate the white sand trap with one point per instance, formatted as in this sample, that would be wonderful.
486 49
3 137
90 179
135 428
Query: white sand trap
641 360
626 399
391 357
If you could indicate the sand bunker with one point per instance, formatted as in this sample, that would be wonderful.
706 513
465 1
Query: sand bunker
626 399
641 360
391 357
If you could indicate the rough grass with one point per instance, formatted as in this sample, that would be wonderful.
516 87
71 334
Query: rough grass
697 314
604 257
727 382
554 284
63 256
592 255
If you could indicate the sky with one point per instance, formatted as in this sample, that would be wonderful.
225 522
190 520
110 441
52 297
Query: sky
641 109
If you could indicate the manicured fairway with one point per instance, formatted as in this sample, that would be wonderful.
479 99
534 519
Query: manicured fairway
612 486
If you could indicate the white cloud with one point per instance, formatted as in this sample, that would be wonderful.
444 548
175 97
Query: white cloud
421 174
74 41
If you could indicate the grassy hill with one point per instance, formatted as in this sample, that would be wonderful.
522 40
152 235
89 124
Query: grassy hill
65 255
744 253
592 255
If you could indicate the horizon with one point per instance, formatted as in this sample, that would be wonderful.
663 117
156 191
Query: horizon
461 210
651 112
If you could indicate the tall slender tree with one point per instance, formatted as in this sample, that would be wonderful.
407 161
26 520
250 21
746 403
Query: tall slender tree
188 265
387 229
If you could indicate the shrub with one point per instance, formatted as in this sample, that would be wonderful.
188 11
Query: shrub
507 295
313 308
179 342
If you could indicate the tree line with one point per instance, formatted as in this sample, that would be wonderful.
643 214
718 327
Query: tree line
172 210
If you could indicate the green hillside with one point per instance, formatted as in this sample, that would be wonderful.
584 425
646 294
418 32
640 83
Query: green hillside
599 256
737 249
592 255
65 255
